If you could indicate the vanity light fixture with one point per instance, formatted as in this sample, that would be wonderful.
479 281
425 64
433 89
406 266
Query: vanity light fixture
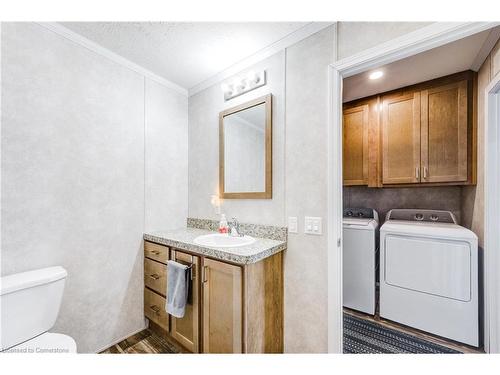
226 88
376 74
243 84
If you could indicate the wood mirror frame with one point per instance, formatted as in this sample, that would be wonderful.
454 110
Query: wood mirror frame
268 193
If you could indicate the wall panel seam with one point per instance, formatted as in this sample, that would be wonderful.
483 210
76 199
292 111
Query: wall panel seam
104 52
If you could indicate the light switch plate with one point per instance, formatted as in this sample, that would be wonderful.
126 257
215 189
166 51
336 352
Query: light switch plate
313 225
293 226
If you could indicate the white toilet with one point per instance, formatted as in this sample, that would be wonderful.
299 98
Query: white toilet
30 303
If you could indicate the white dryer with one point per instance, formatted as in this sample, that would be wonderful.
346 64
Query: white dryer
360 258
429 274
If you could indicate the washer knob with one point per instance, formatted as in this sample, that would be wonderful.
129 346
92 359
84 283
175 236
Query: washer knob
419 217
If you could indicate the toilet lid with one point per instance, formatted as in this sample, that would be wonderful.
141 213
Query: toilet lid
46 343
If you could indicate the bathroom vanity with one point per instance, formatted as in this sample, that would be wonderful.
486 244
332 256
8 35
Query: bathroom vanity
235 304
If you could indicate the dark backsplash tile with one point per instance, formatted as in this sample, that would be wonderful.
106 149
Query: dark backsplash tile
384 199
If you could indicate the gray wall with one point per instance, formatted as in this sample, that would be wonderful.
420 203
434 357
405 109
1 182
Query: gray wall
75 129
447 198
166 157
306 191
473 196
354 37
204 108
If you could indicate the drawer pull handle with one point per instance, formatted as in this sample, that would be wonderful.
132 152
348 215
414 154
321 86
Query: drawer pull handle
155 308
155 252
155 276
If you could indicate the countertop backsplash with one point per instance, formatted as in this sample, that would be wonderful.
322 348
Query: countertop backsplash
254 230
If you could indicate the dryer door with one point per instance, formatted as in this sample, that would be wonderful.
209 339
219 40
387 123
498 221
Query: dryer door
427 265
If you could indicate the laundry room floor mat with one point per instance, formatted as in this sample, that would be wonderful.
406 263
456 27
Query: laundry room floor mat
366 337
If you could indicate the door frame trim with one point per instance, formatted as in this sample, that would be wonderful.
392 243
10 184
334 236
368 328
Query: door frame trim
426 38
491 216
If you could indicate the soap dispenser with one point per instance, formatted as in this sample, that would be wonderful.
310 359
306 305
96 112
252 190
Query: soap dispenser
223 226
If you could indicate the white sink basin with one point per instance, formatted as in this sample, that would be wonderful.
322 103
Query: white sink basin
223 240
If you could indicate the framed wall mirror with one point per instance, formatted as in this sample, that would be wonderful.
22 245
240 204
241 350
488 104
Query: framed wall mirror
245 150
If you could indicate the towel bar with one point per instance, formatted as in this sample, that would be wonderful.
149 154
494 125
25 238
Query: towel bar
189 266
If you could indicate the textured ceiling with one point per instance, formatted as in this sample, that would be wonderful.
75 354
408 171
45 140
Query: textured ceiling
184 53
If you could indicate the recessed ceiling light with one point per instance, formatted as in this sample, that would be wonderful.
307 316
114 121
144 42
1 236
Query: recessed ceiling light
376 74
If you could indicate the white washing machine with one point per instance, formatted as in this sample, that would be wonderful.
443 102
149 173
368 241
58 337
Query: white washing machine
429 274
360 258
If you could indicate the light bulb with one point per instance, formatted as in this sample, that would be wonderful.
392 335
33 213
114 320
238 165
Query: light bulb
252 77
226 89
236 85
376 74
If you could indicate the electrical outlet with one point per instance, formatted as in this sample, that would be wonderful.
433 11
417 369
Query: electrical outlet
313 225
293 226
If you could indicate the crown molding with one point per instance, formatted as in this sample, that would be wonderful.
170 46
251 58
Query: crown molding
97 48
428 37
486 48
292 38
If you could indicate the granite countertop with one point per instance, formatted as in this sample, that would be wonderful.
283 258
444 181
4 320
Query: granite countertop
183 239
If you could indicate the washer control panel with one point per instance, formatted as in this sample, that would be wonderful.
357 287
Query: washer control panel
362 213
431 216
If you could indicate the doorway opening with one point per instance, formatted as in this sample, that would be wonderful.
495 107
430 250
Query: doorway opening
407 138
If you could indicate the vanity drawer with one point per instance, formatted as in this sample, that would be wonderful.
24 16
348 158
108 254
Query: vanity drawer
155 276
154 309
155 251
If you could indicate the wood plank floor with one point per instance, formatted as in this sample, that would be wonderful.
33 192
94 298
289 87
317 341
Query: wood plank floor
145 342
149 342
415 332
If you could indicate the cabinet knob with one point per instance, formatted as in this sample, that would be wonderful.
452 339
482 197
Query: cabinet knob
425 173
154 276
417 173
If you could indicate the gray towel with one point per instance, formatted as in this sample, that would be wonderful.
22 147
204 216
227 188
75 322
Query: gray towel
178 276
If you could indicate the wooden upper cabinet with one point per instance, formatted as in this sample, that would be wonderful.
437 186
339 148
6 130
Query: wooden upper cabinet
401 139
417 135
355 145
444 133
222 307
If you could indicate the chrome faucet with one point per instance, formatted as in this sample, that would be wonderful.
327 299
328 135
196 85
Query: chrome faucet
234 228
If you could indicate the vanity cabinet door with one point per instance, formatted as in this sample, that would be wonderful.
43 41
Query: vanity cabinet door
401 139
222 308
355 145
444 133
186 330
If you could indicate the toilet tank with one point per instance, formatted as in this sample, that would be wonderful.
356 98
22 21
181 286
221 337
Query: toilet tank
29 303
